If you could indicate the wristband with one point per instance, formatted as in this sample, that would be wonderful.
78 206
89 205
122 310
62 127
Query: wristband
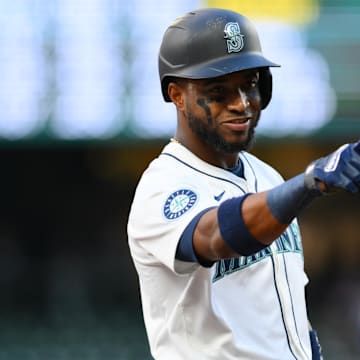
233 229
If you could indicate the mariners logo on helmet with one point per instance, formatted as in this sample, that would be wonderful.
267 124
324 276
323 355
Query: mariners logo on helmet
235 40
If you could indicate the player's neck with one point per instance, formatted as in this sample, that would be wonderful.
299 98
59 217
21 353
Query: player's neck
209 154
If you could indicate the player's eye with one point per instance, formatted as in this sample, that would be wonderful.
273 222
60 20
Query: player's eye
250 85
216 93
254 83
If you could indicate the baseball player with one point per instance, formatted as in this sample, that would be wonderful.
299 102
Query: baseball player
212 229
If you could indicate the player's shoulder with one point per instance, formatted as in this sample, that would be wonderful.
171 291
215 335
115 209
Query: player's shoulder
260 167
176 162
162 173
256 161
162 169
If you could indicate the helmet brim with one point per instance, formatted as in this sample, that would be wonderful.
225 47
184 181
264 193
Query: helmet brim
219 67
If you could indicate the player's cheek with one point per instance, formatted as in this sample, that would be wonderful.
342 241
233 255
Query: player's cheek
255 100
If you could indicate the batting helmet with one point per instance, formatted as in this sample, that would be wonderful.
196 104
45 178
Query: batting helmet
210 42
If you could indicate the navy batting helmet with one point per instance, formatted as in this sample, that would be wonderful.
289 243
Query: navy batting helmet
210 42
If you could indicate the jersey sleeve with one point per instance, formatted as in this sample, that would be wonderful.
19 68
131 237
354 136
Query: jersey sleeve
158 217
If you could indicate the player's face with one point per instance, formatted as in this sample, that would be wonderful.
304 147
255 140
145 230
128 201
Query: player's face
223 112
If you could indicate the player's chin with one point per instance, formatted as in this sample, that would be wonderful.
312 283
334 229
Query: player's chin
235 145
241 142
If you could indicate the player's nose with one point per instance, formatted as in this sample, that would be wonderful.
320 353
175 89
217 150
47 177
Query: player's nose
239 101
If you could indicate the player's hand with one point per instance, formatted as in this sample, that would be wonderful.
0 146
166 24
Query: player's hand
340 169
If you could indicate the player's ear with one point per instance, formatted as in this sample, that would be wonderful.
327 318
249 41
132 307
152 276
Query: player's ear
176 93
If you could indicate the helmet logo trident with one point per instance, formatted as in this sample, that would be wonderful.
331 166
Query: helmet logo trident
233 36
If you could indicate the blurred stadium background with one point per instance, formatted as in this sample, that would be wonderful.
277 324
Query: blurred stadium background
81 116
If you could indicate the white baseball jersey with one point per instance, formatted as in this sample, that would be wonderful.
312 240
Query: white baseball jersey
251 307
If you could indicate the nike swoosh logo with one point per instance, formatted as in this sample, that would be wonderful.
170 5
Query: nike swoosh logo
219 197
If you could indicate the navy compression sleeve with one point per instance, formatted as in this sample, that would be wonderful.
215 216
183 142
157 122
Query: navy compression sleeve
287 200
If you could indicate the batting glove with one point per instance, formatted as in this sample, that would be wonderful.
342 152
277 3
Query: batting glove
341 169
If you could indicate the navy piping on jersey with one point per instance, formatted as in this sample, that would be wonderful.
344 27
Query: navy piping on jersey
204 173
277 292
292 303
281 308
253 171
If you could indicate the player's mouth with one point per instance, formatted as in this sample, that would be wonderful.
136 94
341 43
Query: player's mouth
238 124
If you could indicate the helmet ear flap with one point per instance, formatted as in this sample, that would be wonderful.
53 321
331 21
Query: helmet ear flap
265 86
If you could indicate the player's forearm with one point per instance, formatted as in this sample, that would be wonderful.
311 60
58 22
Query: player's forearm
252 225
260 221
245 225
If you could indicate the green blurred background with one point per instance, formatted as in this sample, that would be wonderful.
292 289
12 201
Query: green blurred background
81 116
